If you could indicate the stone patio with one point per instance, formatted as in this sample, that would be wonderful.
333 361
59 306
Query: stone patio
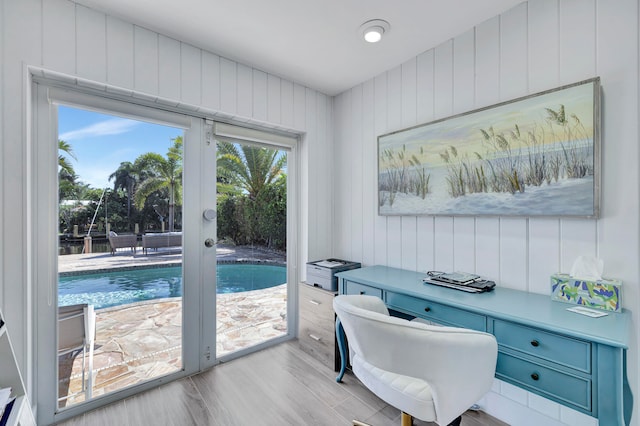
140 341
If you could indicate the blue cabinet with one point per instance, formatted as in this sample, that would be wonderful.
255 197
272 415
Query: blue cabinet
569 358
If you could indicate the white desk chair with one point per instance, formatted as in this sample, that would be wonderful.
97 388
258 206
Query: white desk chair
76 332
429 372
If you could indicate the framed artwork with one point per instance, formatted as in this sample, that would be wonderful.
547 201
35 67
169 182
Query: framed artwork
538 155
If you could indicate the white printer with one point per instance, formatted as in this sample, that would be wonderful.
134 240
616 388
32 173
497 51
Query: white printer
321 273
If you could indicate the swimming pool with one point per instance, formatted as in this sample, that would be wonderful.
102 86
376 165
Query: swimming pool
113 288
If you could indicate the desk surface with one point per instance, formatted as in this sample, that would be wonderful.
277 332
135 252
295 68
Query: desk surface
529 308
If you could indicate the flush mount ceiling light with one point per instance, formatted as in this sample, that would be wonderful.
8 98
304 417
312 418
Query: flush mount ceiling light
373 30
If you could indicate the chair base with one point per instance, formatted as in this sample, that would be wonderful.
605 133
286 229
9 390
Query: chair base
456 422
407 420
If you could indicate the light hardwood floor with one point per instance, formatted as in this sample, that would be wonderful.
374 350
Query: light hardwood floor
281 385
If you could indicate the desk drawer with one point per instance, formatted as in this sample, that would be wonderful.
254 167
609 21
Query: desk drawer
316 327
437 312
357 288
556 348
316 302
569 389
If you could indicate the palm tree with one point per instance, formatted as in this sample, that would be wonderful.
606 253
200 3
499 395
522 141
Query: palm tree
251 168
66 174
125 178
161 173
63 162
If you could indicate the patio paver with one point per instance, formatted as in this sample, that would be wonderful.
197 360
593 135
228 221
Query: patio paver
136 342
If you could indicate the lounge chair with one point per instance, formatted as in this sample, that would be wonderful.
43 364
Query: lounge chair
123 241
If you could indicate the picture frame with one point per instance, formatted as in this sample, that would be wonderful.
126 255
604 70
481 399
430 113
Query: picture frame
534 156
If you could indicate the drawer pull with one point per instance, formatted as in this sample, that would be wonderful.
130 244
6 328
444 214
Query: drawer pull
314 337
362 292
535 343
427 309
535 376
314 302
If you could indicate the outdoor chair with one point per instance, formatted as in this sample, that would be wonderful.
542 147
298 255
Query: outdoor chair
76 333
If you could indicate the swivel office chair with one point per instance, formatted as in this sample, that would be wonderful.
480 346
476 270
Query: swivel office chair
432 373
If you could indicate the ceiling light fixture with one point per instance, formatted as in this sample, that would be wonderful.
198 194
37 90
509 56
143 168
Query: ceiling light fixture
373 30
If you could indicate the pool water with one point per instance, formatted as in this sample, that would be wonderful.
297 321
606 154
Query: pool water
115 288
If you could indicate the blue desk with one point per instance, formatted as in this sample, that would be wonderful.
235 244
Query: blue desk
572 359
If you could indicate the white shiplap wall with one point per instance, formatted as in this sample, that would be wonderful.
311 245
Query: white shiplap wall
61 36
535 46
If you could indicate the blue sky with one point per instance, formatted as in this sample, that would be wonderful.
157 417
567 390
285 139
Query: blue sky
100 142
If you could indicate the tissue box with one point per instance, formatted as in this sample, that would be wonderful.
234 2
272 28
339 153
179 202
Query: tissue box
602 294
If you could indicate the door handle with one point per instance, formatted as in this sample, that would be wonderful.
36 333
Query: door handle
209 242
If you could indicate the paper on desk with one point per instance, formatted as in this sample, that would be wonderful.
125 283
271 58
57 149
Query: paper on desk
588 312
328 264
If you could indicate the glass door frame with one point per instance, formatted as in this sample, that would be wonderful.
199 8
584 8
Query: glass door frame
198 320
225 131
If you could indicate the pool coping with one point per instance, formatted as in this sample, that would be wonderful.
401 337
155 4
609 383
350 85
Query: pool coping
168 264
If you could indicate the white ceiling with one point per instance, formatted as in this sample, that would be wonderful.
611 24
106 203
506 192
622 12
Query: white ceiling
312 42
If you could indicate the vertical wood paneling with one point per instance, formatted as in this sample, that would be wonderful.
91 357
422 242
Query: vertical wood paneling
210 81
513 52
464 61
228 86
424 87
356 159
577 61
287 103
394 122
463 100
544 233
299 112
577 40
244 91
322 182
59 35
119 53
22 39
544 249
146 60
380 126
341 174
273 99
190 75
309 186
543 45
619 209
91 45
424 113
443 107
369 173
260 98
168 67
487 62
487 92
409 116
513 66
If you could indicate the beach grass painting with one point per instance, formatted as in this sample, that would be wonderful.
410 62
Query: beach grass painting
534 156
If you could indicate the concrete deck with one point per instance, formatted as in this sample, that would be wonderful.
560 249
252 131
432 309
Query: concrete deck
140 341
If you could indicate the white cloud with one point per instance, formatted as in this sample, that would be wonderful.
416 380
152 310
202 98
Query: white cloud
114 126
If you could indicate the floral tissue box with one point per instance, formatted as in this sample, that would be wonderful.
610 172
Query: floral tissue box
602 294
